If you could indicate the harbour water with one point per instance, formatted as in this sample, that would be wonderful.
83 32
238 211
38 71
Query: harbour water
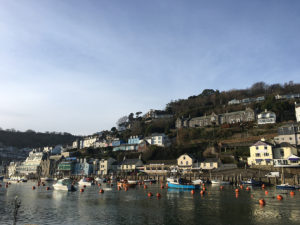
217 206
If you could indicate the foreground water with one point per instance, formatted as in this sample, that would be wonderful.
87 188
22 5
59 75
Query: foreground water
135 207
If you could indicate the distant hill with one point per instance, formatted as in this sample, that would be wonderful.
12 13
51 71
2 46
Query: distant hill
34 139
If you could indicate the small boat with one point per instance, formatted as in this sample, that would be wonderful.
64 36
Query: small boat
197 182
181 183
85 182
127 183
251 182
64 185
220 182
150 181
15 179
46 179
287 187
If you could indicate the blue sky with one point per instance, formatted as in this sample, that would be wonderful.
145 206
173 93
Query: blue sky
78 66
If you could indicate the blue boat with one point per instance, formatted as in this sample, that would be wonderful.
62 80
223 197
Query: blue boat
251 182
181 184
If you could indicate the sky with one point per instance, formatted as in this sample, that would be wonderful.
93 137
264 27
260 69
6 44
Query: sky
78 66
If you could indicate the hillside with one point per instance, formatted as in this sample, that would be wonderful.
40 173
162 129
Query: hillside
34 139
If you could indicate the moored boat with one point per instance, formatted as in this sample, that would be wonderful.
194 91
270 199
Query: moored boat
220 182
150 181
127 183
287 187
64 185
251 182
181 184
85 182
197 182
46 179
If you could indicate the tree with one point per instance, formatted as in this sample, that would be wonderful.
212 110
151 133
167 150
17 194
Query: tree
122 120
137 114
131 117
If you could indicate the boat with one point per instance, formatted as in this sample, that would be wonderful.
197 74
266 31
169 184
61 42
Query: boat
181 183
16 179
251 182
287 187
150 181
197 182
46 179
64 185
127 183
85 182
220 182
1 178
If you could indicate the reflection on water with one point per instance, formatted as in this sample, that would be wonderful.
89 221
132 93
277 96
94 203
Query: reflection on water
135 207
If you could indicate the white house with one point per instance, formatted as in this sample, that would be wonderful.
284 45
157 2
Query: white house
234 102
161 140
297 111
32 163
266 117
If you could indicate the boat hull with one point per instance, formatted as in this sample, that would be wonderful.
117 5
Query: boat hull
183 186
285 187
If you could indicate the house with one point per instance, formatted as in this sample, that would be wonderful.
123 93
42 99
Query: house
210 120
297 111
158 139
234 102
261 153
130 165
159 166
289 133
260 99
107 166
286 155
82 167
266 117
186 161
210 163
32 164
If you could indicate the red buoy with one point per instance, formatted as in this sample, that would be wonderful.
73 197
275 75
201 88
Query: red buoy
150 194
192 192
158 195
262 202
81 190
47 188
279 197
33 187
101 191
145 186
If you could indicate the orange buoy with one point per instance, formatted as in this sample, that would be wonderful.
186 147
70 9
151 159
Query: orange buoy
202 192
262 202
241 186
47 188
221 187
162 186
203 188
81 190
279 197
236 194
150 194
158 195
99 185
33 187
126 189
145 186
101 191
266 192
263 186
248 188
192 192
236 190
292 193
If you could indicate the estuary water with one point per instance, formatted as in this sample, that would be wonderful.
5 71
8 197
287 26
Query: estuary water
217 206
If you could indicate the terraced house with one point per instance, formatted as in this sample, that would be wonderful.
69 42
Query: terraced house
210 120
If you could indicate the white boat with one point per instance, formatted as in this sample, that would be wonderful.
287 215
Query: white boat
64 185
85 182
199 181
16 179
46 179
150 181
220 182
132 182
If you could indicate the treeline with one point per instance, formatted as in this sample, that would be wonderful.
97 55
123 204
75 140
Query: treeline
34 139
214 101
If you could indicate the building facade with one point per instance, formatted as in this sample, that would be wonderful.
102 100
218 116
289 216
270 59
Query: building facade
266 117
297 112
261 154
289 133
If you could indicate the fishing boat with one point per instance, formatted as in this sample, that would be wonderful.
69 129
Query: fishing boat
181 184
85 182
287 187
220 182
251 182
64 185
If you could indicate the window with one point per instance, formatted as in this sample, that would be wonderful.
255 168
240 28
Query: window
266 154
183 157
257 155
290 138
281 153
181 162
186 162
256 147
266 147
